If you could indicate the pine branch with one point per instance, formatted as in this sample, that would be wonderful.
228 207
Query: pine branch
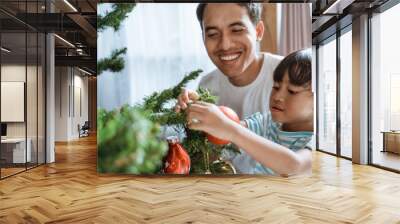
115 17
115 63
169 118
156 101
206 96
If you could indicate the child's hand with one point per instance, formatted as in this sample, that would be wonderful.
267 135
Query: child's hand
209 118
185 98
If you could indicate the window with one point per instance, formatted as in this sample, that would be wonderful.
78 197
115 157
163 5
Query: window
385 88
346 94
327 97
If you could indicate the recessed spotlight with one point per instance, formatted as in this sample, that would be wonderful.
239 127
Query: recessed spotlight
5 50
64 40
71 6
86 72
337 7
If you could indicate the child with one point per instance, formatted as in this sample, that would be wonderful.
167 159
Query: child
275 142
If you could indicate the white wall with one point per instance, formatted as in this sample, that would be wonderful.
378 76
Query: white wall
16 73
70 83
10 73
61 103
80 94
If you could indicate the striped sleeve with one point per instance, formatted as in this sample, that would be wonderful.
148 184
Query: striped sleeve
255 123
292 140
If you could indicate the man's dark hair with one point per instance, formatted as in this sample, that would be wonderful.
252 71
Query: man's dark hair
298 66
253 9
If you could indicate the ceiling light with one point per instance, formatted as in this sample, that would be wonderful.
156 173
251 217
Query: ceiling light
5 50
71 6
337 7
86 72
64 40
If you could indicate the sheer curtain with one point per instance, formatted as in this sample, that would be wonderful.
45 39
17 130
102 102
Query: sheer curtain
164 43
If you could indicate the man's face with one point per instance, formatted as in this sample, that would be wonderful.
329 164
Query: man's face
230 38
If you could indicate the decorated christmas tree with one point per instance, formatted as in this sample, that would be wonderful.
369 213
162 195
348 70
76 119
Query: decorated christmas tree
129 138
195 142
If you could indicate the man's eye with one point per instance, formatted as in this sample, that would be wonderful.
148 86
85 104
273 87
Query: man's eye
292 92
212 34
275 87
237 30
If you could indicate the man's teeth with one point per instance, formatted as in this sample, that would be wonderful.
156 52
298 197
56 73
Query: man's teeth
230 57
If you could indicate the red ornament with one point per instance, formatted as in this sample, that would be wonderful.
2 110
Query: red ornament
177 160
230 114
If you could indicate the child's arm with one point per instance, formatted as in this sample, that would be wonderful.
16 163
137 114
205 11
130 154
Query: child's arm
279 158
270 154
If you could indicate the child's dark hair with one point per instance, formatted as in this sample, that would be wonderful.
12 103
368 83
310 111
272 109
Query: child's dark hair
298 66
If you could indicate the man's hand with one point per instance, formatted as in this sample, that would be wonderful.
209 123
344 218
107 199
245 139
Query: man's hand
186 96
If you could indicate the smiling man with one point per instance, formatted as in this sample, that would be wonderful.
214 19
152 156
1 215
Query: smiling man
243 78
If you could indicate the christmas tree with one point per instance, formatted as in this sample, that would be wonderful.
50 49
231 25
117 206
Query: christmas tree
129 137
127 140
195 142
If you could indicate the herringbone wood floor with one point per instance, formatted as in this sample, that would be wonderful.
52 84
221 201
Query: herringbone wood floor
70 191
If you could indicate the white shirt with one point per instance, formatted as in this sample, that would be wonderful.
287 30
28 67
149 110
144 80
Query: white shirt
244 100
